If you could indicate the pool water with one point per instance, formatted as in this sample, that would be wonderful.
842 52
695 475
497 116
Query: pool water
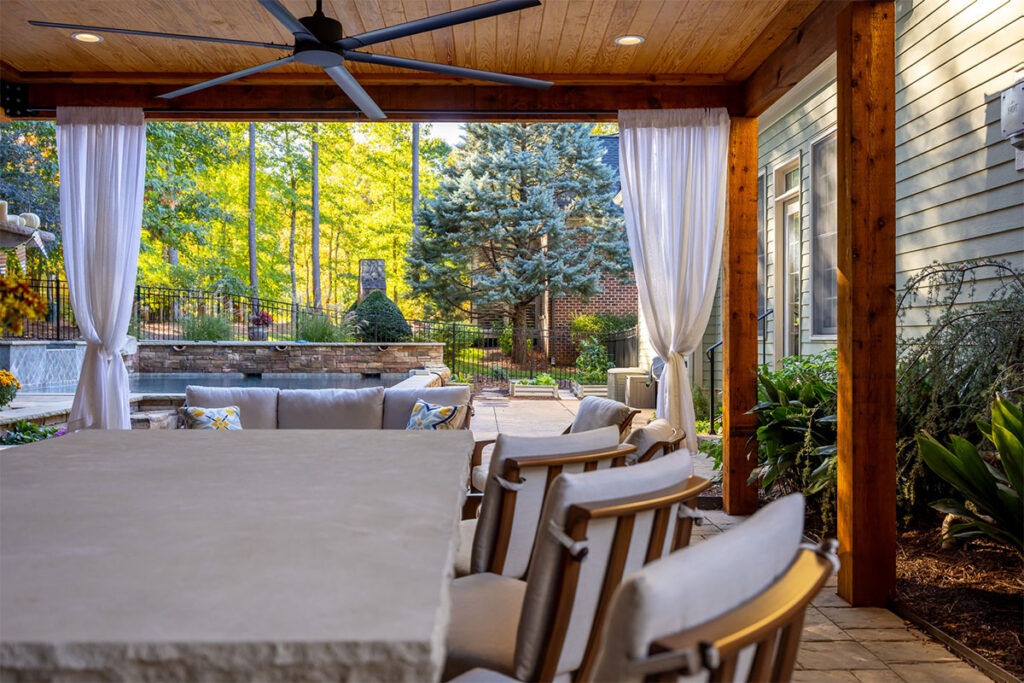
175 383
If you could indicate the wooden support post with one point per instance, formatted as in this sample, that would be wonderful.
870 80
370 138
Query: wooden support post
739 320
865 61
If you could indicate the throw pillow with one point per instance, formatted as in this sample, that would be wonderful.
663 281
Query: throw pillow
226 418
427 416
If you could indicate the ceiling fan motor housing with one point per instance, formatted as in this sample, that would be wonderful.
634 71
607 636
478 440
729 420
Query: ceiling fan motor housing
327 31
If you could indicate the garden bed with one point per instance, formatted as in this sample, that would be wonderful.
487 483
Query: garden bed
581 390
974 593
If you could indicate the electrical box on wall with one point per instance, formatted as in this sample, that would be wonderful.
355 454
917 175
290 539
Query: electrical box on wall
1012 118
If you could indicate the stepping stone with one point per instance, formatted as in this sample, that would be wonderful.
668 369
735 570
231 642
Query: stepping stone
877 676
836 656
823 677
949 672
908 652
861 617
885 634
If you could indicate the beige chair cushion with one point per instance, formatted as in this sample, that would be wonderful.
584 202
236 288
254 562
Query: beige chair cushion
398 403
529 499
483 676
257 406
482 632
645 437
467 529
595 413
674 592
479 475
330 408
548 554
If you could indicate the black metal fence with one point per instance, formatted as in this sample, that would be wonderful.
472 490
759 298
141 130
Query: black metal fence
489 353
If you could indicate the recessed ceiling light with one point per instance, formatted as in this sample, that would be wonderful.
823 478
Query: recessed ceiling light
87 37
629 40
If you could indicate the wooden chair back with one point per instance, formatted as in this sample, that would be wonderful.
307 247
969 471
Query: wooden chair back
604 540
526 481
664 447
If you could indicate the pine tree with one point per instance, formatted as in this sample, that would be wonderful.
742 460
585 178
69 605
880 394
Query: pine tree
522 209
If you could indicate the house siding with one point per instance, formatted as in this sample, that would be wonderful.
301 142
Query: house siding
958 196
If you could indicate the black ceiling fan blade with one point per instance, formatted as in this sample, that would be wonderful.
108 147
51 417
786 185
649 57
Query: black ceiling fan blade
350 86
156 34
447 69
459 16
288 20
229 77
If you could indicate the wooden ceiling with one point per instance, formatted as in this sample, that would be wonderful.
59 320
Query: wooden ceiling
571 42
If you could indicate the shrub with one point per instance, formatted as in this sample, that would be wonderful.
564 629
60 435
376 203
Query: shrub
593 363
378 319
463 378
505 340
543 379
701 405
601 324
27 432
712 449
206 328
994 507
318 328
497 373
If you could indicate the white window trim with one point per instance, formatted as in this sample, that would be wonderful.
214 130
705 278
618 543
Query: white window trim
762 181
821 336
778 201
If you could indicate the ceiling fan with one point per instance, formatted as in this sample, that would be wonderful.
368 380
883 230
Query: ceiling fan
319 42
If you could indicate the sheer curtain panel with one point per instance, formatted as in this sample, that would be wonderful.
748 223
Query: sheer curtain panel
673 165
102 157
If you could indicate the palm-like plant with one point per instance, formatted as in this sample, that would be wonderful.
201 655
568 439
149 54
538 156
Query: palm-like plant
993 505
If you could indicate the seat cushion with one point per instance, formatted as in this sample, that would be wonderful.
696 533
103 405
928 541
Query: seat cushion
479 475
483 676
257 406
484 618
330 408
467 528
398 403
595 413
645 437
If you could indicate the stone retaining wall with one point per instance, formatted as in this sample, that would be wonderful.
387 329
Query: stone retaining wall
260 357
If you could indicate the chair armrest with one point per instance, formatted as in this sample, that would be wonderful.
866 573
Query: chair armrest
478 452
627 423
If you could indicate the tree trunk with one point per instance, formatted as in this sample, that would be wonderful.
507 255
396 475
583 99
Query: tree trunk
291 250
520 344
415 180
253 282
316 220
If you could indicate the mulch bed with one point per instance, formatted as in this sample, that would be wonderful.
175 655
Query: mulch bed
974 592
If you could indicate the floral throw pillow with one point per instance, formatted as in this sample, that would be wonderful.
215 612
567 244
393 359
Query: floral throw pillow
226 418
427 416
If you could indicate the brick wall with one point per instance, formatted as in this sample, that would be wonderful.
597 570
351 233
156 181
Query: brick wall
258 357
616 298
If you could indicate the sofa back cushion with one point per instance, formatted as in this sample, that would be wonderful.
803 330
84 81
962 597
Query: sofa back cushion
257 406
398 403
330 408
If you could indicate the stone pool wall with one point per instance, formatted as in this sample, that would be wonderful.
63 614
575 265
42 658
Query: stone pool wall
38 364
260 357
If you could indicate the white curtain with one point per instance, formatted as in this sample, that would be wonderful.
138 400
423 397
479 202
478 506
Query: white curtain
101 153
673 165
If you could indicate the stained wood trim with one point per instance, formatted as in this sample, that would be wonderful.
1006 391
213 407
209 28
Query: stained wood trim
562 459
797 56
739 321
782 25
508 510
631 505
866 495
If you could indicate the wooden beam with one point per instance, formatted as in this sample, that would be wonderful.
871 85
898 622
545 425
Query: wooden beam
782 25
739 320
401 103
866 142
797 56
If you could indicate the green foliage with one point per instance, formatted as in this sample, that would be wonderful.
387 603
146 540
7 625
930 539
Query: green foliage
378 319
28 180
701 406
796 435
321 329
27 432
602 323
464 378
505 340
593 363
703 426
541 380
712 449
523 208
992 491
498 373
206 328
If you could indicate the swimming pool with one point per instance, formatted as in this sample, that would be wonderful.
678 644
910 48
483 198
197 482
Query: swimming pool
175 382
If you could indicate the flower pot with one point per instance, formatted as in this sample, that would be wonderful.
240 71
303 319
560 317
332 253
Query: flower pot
258 332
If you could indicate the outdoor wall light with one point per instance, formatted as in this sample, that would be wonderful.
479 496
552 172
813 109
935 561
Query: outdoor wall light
87 37
629 40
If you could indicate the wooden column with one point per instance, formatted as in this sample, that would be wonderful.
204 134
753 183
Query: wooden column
739 320
865 49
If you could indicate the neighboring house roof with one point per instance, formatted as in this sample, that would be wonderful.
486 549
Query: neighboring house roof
610 143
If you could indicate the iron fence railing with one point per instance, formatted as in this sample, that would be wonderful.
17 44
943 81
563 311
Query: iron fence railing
490 353
762 328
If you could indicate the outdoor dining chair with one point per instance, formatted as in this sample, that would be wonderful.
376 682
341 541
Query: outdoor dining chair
595 528
654 440
519 475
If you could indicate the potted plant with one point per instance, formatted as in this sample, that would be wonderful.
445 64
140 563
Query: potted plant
9 386
541 386
259 326
592 367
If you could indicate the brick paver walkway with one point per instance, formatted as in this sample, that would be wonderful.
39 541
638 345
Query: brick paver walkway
840 643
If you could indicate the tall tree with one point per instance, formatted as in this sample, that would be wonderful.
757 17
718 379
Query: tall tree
315 236
525 208
253 274
28 173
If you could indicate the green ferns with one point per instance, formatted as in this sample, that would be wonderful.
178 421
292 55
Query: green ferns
993 506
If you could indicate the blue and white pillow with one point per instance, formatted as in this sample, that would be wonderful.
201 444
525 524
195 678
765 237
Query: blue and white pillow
427 416
225 419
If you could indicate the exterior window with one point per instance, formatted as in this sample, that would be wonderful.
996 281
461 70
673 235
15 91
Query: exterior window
791 235
824 285
762 264
792 179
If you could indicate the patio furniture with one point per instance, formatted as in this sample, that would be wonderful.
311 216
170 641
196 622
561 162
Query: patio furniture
521 471
249 556
595 528
368 408
595 412
654 440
